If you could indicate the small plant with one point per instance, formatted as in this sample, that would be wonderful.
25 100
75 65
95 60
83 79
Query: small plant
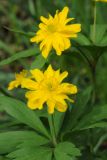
56 120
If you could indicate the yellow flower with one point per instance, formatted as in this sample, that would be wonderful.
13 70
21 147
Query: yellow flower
17 82
46 88
101 0
55 32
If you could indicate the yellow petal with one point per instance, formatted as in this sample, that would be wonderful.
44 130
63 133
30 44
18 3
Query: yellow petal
63 14
13 84
60 98
68 20
33 39
67 88
29 84
46 47
58 44
63 76
73 28
49 72
51 105
44 20
101 0
37 74
67 43
35 104
42 26
60 107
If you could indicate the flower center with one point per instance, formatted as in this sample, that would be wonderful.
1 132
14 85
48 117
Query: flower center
51 28
50 87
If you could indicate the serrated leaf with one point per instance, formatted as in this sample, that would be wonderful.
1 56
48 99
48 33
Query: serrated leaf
9 140
21 112
31 153
68 148
22 54
66 151
61 156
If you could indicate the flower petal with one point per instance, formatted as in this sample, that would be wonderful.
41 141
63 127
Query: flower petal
51 106
13 84
29 84
67 88
49 72
60 107
37 74
63 76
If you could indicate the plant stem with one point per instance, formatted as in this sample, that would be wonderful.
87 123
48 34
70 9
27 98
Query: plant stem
101 140
94 83
92 66
52 129
94 23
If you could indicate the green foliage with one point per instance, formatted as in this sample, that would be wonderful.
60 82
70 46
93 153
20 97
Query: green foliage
27 134
29 152
22 54
100 34
66 150
20 111
94 118
79 108
39 62
9 140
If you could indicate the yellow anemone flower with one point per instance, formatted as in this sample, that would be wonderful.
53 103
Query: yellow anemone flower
18 79
55 32
101 0
47 88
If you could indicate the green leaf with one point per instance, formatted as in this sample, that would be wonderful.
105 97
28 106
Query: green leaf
29 34
96 125
93 119
66 150
99 33
62 156
104 41
82 40
22 54
21 112
31 153
9 140
4 158
38 62
78 108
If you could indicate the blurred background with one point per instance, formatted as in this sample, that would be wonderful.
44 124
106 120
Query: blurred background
20 18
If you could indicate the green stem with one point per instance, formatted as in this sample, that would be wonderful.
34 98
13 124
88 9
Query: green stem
52 129
92 66
93 72
101 140
85 57
94 23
